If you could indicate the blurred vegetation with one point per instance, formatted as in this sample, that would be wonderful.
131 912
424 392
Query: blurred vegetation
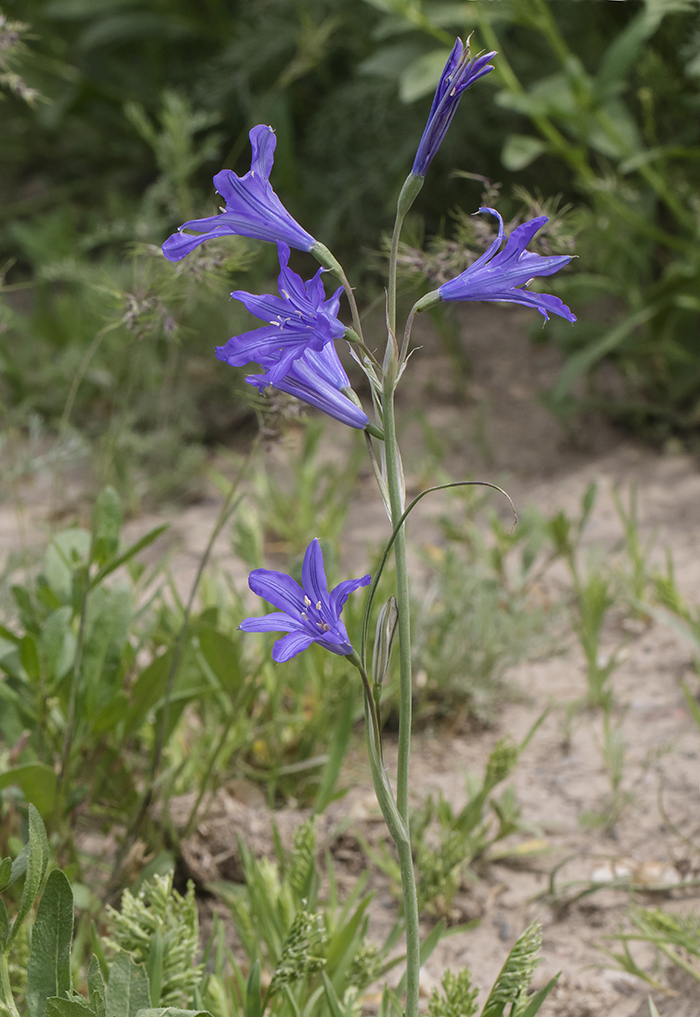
116 114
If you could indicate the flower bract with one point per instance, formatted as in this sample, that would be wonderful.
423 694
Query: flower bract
307 613
300 319
502 276
252 207
459 73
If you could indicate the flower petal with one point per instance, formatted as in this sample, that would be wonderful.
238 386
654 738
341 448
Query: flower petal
288 646
275 621
343 590
278 589
264 142
313 579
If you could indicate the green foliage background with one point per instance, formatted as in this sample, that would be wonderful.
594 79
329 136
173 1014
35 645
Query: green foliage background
141 101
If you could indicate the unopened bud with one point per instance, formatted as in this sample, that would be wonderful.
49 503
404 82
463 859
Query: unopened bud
384 640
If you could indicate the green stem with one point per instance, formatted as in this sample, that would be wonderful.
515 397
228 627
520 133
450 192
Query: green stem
5 987
409 193
395 489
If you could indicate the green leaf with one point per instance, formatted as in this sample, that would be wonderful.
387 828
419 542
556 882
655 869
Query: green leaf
36 867
5 873
57 643
692 703
586 358
653 1012
38 783
19 866
342 940
539 998
139 545
29 655
331 996
106 526
222 656
48 971
519 150
172 1011
57 1006
66 551
422 75
96 987
127 990
4 925
154 966
253 999
147 690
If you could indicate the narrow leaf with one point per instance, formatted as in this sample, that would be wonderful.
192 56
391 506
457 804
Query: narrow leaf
96 986
48 971
5 873
36 867
331 996
539 997
130 552
253 1000
390 543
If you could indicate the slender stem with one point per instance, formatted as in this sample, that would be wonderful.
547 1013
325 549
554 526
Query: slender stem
328 260
409 193
395 488
398 828
6 988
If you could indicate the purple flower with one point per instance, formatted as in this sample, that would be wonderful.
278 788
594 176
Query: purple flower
460 72
252 207
317 378
502 276
300 319
308 613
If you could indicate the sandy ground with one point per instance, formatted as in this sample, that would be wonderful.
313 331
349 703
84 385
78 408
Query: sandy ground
500 432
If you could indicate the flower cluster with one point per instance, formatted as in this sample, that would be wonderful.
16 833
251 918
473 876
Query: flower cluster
295 346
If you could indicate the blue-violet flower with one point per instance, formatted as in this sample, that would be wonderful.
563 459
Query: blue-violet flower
300 319
252 207
319 379
502 276
459 73
308 613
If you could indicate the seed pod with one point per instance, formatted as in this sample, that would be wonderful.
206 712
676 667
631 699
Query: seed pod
384 640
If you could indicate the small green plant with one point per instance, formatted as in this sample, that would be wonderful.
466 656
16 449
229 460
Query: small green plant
476 616
449 844
613 751
593 596
675 937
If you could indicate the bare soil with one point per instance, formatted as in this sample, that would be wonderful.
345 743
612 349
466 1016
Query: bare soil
498 430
